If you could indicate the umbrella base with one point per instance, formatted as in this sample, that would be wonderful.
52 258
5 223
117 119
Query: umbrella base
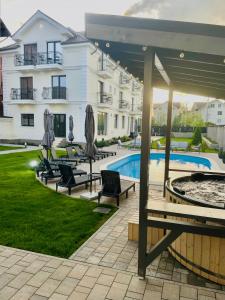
89 196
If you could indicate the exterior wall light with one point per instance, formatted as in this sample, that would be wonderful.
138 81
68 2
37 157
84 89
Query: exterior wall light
182 55
144 48
107 45
96 44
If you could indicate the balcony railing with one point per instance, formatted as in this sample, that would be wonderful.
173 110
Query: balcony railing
135 86
41 58
54 93
105 68
123 104
105 98
23 94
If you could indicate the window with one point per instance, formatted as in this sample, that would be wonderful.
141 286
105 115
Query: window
59 87
27 120
30 54
54 49
115 121
101 89
26 88
114 91
212 105
121 96
219 105
102 123
132 105
219 113
123 122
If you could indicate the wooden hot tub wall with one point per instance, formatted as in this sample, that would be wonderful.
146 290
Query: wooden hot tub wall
204 255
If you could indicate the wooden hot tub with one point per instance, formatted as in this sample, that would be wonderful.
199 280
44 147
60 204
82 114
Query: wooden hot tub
204 255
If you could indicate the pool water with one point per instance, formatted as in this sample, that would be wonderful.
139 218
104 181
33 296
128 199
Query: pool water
130 165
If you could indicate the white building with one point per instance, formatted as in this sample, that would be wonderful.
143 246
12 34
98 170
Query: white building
211 112
51 66
160 112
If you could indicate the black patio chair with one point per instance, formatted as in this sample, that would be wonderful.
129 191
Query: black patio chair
108 153
71 155
50 173
81 151
68 180
63 160
113 186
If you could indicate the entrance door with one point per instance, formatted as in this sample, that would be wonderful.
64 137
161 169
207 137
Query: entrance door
30 54
60 125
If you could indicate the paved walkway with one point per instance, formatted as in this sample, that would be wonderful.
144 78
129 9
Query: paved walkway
22 149
104 267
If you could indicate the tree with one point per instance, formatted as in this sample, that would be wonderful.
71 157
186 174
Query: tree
197 137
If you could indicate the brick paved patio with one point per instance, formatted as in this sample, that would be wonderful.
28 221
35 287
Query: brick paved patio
104 267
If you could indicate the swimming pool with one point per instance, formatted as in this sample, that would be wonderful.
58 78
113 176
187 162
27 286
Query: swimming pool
129 166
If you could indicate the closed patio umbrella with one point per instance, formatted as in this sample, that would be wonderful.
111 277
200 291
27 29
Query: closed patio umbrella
90 149
46 141
71 125
51 127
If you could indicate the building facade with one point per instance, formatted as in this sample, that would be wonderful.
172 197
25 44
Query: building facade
51 66
160 112
212 111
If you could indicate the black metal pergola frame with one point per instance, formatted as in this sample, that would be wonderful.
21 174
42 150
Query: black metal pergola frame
178 56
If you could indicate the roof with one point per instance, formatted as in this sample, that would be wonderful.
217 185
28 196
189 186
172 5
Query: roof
4 32
77 39
9 47
191 54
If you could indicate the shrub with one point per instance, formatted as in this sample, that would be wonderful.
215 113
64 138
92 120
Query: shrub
220 153
197 137
223 157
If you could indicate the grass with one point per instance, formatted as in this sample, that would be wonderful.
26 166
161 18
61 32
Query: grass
35 218
5 148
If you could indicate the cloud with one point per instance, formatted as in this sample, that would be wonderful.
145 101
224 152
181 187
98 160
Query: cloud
204 11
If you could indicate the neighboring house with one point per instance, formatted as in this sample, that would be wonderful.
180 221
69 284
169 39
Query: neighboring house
211 112
51 66
160 112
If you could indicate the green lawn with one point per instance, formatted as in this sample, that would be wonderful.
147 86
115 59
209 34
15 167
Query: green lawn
35 218
5 148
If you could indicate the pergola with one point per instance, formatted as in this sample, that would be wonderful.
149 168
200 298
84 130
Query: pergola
178 56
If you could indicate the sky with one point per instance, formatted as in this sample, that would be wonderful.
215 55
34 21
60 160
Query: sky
72 13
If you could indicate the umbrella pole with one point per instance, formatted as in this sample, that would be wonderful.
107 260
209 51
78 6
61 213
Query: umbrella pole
90 175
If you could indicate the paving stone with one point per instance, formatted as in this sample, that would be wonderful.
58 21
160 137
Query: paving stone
99 292
207 293
105 279
88 281
5 279
56 296
152 295
137 285
10 261
133 295
202 297
78 271
24 293
94 272
61 272
39 278
78 296
37 297
117 291
30 257
170 291
7 292
53 263
188 292
102 210
35 266
15 269
67 286
48 287
20 280
123 278
82 289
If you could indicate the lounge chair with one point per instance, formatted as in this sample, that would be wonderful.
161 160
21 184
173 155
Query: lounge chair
69 181
49 173
80 152
113 186
179 145
64 160
196 147
160 146
71 155
108 153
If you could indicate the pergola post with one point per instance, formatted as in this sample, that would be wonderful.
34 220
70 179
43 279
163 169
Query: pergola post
168 138
145 152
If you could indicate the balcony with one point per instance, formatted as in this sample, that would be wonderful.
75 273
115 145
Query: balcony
136 87
105 69
124 105
39 61
124 82
105 100
55 94
23 96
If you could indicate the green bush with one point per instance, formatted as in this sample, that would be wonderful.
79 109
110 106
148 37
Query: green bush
197 137
223 157
220 153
